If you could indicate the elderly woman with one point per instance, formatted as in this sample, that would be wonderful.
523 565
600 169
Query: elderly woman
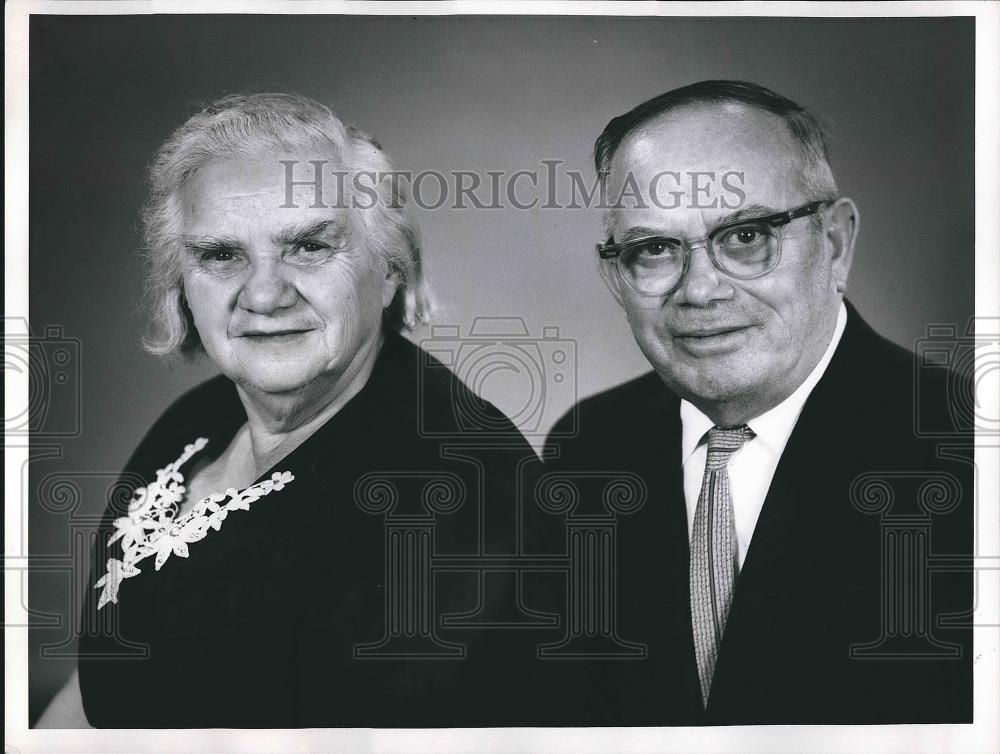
245 585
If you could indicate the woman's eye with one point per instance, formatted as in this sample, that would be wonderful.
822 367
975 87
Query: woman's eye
218 255
312 246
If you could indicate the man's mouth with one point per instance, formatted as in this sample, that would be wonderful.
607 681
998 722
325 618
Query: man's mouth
710 332
707 341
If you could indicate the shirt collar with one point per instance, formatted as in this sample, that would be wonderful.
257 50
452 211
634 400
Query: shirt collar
775 426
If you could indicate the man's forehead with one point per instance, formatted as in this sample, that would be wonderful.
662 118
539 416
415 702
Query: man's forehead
706 137
716 157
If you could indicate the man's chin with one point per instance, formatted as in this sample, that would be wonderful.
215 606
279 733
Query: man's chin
718 380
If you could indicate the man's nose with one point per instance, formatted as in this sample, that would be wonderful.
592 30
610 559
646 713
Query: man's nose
703 282
267 288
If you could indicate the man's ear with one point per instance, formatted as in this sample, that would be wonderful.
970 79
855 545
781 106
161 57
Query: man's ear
840 231
611 278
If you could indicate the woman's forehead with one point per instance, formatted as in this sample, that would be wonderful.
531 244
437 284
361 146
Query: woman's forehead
265 191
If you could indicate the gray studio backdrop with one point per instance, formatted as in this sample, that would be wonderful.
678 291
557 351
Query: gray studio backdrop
448 94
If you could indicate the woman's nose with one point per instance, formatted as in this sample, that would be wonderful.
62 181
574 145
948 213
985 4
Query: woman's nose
267 288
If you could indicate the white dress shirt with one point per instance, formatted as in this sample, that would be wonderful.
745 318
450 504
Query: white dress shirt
752 467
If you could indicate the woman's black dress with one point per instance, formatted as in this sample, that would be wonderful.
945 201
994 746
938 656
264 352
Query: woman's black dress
260 626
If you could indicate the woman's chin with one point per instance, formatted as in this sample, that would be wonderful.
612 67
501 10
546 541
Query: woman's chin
275 381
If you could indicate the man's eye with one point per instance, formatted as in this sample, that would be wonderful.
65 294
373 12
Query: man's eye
744 236
655 248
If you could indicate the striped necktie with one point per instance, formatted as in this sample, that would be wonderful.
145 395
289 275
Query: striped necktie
714 552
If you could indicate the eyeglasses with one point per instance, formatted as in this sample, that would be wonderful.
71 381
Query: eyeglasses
745 249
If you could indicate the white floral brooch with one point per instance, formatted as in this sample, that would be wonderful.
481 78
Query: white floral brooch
152 526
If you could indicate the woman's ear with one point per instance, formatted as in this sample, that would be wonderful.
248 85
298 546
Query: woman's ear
390 284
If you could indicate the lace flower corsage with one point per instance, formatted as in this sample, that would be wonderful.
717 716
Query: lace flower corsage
152 526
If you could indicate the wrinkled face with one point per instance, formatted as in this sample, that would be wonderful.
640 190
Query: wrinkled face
284 299
717 340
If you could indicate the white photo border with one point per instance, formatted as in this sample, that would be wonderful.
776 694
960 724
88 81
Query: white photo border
982 736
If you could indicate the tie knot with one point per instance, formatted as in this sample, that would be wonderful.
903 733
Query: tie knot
723 442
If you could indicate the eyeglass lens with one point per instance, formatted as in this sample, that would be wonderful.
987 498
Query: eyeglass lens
744 251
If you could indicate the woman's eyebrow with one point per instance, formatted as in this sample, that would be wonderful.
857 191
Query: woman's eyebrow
210 243
288 235
291 235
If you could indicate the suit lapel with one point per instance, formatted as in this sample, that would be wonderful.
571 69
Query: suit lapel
793 521
653 576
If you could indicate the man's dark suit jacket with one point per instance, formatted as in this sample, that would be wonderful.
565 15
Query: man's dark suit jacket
828 569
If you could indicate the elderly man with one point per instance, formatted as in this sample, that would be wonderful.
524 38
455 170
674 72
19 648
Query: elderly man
756 574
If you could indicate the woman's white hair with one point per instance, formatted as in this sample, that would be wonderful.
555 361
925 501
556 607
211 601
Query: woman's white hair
254 124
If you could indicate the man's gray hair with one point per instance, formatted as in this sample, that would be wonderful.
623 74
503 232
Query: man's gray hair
805 128
255 124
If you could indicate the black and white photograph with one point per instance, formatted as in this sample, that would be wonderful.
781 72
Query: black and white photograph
502 377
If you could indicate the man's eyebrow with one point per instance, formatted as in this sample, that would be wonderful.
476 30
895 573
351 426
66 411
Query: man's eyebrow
746 212
641 231
292 235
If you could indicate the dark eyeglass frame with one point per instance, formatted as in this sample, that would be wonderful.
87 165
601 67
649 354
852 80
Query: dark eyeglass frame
612 251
